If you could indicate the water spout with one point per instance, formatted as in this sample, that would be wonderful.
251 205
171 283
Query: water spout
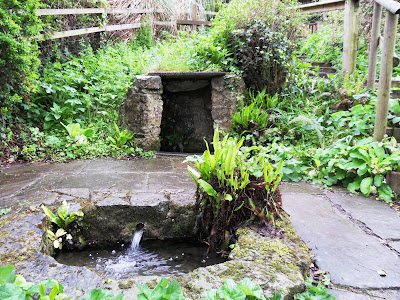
137 236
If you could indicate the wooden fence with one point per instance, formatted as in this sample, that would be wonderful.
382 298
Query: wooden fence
194 22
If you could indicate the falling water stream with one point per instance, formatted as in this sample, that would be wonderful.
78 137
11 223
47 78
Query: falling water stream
163 258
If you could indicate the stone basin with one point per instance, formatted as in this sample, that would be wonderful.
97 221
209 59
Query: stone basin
163 201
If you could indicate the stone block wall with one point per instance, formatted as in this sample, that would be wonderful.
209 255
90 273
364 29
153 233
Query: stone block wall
142 109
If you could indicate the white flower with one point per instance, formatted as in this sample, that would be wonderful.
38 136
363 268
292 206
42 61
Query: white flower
69 237
56 244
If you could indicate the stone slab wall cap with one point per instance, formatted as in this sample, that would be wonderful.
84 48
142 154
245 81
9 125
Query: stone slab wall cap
148 82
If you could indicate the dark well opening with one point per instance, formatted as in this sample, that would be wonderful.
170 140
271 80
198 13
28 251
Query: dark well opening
186 118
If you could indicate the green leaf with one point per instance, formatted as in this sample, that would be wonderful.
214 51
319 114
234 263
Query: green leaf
365 186
21 282
100 294
228 197
10 291
208 188
174 290
4 211
7 275
378 180
385 192
354 186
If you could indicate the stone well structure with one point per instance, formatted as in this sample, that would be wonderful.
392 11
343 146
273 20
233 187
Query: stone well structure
176 111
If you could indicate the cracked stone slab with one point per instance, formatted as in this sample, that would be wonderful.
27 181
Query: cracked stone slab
374 214
350 255
395 245
75 192
147 199
300 187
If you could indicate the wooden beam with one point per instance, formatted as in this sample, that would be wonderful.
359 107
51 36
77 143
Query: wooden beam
81 11
68 33
350 38
390 5
194 16
322 6
210 13
373 45
385 76
164 23
122 27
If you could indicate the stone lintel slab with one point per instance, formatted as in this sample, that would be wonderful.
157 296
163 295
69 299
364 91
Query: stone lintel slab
373 213
187 75
352 257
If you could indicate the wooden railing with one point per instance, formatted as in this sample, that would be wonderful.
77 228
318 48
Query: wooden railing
194 22
350 48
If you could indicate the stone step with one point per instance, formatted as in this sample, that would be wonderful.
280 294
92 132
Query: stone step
328 70
322 64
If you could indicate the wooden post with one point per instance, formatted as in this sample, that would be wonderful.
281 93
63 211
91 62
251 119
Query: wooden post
194 16
385 75
350 35
373 45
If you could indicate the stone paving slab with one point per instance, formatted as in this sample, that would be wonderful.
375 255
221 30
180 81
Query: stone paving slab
70 167
95 182
374 214
129 166
300 188
11 184
350 256
346 295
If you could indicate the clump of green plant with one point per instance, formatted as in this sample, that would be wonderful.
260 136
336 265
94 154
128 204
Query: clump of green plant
232 190
317 291
245 289
77 134
121 138
13 286
360 167
66 226
163 290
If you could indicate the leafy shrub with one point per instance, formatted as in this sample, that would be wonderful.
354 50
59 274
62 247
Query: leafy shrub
262 54
231 189
18 53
